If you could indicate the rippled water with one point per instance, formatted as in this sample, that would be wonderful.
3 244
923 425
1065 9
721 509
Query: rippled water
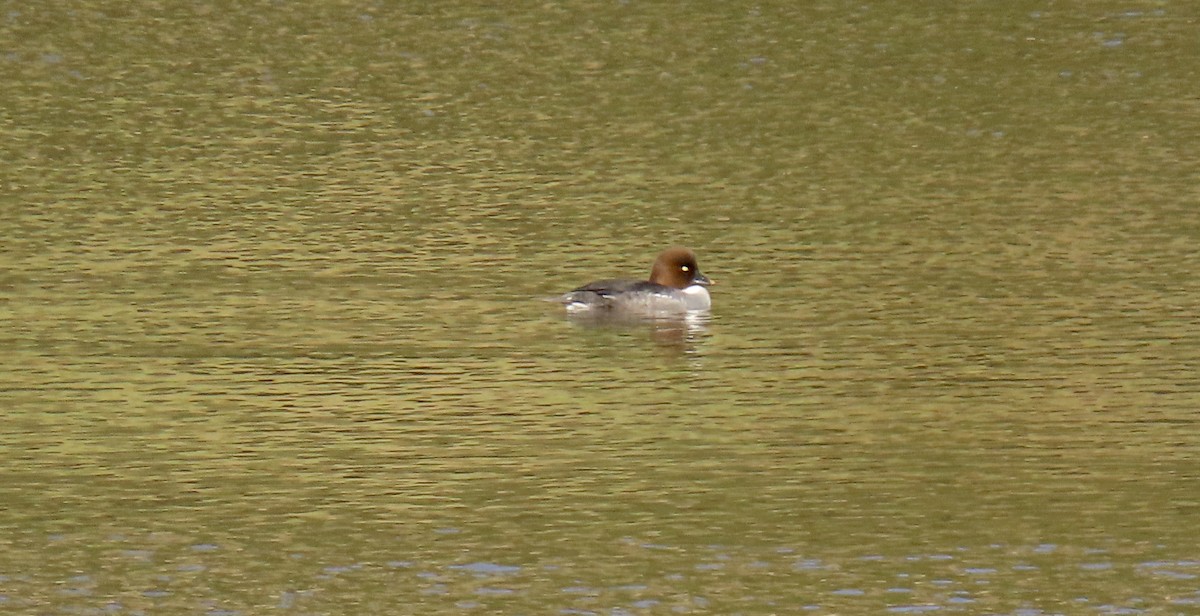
271 338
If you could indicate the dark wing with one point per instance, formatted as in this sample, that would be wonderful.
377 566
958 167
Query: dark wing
614 286
602 293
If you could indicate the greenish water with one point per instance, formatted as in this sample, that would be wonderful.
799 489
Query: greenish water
269 337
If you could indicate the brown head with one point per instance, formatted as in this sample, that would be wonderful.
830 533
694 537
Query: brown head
676 267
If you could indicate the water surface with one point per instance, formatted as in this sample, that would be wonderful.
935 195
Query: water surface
271 338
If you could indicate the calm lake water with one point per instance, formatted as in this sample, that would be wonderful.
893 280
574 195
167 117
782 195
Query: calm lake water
271 340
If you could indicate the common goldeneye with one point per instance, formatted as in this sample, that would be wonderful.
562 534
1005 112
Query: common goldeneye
676 288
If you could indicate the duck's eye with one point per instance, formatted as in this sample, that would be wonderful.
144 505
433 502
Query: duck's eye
685 268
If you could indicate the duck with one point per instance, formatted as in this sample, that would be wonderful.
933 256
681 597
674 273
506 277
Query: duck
676 287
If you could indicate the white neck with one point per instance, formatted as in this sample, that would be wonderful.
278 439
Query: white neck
696 297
